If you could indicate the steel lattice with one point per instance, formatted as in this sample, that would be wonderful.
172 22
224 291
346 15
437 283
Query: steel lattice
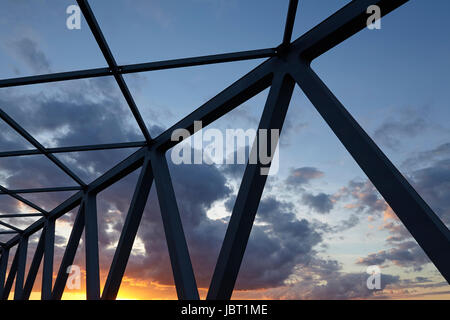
287 65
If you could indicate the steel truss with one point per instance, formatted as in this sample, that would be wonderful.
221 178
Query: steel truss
287 65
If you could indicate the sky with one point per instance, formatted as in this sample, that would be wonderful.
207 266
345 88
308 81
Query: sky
320 222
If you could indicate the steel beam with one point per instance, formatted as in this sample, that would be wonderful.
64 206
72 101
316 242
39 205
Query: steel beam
101 41
10 227
129 232
13 124
91 239
423 224
141 67
176 242
240 91
119 171
53 77
289 25
47 270
69 254
11 275
8 232
20 215
94 147
21 264
34 267
3 266
113 175
249 195
21 199
41 190
198 61
332 31
340 26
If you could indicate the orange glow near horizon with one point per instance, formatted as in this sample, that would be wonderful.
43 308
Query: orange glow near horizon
138 289
146 293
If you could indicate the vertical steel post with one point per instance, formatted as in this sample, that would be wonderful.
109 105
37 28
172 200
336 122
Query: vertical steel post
3 266
91 246
11 276
21 264
47 271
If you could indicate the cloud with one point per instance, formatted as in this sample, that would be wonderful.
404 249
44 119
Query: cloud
321 203
365 198
391 132
301 176
348 286
430 175
433 184
324 279
407 254
279 237
31 55
282 250
428 157
91 111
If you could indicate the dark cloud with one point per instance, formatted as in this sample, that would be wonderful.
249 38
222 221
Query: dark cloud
324 279
430 175
392 132
29 52
283 240
301 176
62 114
348 286
32 172
407 254
423 279
364 197
349 223
73 113
281 245
321 203
433 184
428 157
397 231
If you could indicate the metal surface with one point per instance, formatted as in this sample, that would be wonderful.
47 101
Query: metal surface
91 247
183 273
287 64
249 195
129 232
34 268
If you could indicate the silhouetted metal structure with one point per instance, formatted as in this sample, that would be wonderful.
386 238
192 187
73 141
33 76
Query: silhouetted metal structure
286 65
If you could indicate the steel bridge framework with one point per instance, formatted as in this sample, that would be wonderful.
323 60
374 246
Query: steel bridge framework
286 65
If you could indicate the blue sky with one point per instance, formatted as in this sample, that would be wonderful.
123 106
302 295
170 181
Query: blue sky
394 81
